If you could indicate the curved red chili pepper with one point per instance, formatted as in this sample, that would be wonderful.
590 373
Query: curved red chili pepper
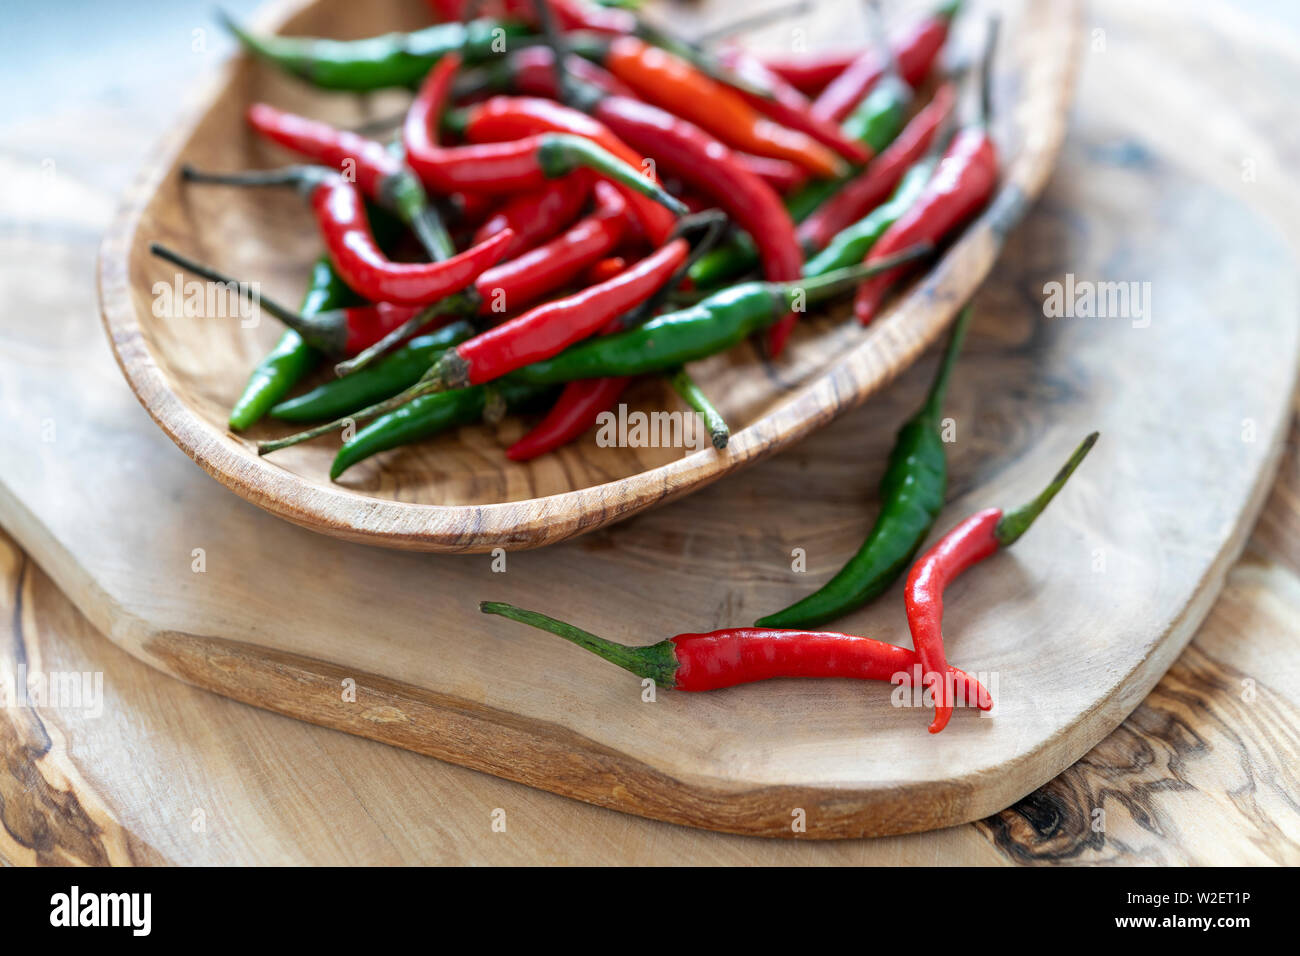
525 279
809 74
511 117
366 162
969 543
341 217
915 52
788 106
538 215
512 166
575 410
960 188
878 180
692 155
606 268
548 329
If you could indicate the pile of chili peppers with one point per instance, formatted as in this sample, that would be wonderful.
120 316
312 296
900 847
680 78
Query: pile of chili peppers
577 198
593 199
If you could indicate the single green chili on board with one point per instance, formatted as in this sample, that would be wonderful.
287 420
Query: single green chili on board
379 62
911 497
396 371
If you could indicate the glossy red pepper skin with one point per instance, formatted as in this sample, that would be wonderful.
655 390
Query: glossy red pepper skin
781 175
684 150
575 410
550 328
341 217
520 281
606 268
915 52
878 180
367 162
811 73
538 215
967 544
744 655
504 118
532 73
569 14
961 186
789 107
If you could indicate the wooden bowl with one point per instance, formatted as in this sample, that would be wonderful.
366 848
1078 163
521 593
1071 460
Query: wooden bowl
459 492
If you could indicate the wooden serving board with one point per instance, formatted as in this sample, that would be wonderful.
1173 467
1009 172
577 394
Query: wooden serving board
1078 621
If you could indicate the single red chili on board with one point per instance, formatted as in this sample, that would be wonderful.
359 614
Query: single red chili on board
336 332
915 53
745 655
882 175
975 539
551 327
503 118
510 166
961 186
343 225
539 214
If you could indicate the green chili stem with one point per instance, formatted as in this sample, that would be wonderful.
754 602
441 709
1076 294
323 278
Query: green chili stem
986 71
939 387
562 153
657 661
822 287
295 175
300 323
1013 524
693 395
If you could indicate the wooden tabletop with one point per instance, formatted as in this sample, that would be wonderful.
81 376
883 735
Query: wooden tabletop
1204 771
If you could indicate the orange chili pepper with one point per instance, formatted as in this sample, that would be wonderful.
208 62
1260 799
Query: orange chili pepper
677 86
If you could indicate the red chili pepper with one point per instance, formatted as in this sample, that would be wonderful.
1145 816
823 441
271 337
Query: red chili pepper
915 52
548 329
676 85
507 166
787 106
780 175
744 655
685 151
606 268
525 279
372 167
575 411
341 218
513 117
538 215
569 14
810 74
878 180
960 187
970 542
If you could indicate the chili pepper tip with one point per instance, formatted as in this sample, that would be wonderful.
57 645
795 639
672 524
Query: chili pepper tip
1013 524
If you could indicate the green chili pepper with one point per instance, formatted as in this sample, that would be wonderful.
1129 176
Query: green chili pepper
852 244
876 121
375 63
911 496
430 414
398 370
694 397
292 358
706 328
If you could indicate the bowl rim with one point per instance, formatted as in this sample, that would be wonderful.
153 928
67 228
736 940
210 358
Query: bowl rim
893 342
